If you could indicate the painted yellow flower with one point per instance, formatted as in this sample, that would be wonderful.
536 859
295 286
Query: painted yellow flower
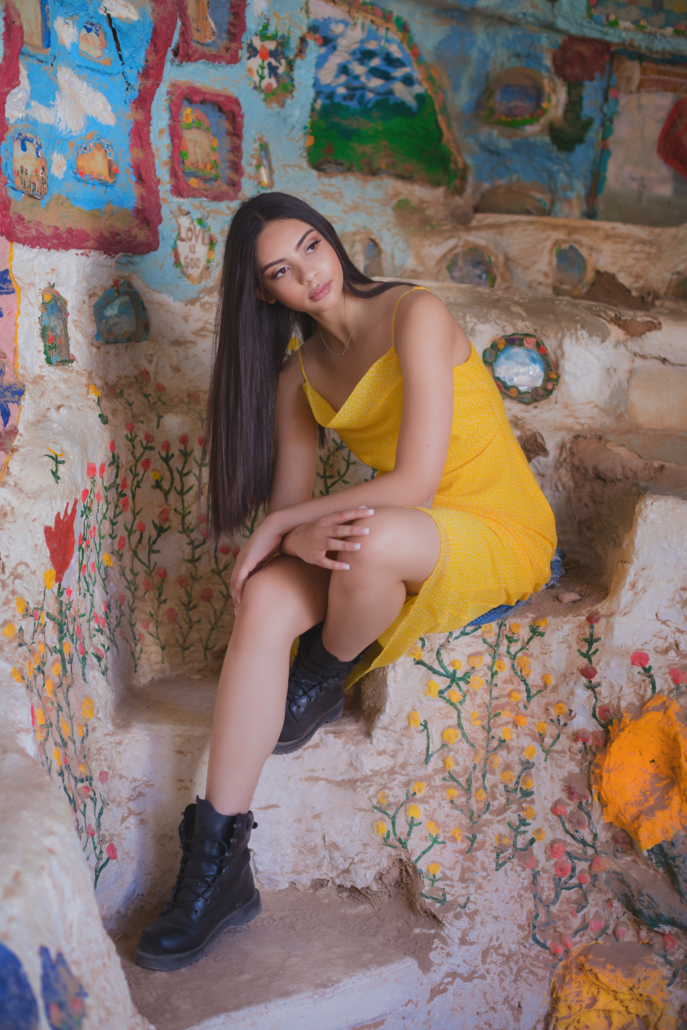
107 559
539 833
66 647
433 688
83 770
456 663
415 651
514 696
529 813
414 811
448 763
41 732
188 115
80 730
475 717
10 631
88 707
94 390
56 669
418 788
432 828
480 795
500 840
433 868
476 682
541 623
40 716
155 475
500 665
309 140
414 720
383 797
451 793
527 783
41 648
530 752
494 761
488 629
515 627
380 827
16 675
559 708
547 679
475 660
520 720
453 695
57 756
522 662
29 668
541 728
506 733
49 688
64 726
42 618
20 605
507 775
450 735
455 832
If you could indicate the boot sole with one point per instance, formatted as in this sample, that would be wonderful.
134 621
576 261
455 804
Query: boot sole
333 715
240 917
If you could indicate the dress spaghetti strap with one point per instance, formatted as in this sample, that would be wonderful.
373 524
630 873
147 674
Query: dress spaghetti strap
393 320
300 358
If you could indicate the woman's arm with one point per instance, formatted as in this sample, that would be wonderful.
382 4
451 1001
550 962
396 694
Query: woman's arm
427 337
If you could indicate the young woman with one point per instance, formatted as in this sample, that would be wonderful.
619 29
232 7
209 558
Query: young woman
452 525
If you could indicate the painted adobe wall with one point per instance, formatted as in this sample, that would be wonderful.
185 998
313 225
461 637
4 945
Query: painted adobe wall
108 293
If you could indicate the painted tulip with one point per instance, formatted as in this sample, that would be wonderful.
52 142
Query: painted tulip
639 658
588 671
562 867
111 852
557 850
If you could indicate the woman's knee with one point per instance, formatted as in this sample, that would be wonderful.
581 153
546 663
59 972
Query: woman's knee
281 591
380 546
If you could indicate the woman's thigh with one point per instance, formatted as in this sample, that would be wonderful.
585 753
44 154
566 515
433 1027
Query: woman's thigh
403 543
286 590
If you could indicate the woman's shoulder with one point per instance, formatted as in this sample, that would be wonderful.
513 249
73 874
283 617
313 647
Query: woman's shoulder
291 376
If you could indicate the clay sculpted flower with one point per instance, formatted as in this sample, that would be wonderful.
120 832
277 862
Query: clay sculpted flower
414 720
450 735
530 752
418 788
588 671
639 659
414 812
60 541
432 689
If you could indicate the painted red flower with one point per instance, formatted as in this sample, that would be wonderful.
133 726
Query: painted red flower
556 948
639 658
560 808
98 497
163 517
206 594
84 495
101 469
677 676
90 831
557 850
593 618
144 375
183 440
161 573
182 581
145 464
147 585
164 446
263 53
140 527
583 877
122 485
111 852
596 926
562 867
92 566
605 713
567 941
148 437
597 864
669 941
160 387
224 549
120 543
171 615
588 671
104 776
60 541
583 737
129 426
125 503
146 626
112 446
90 470
201 441
81 649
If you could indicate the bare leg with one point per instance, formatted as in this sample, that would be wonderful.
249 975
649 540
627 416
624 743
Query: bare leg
396 558
279 603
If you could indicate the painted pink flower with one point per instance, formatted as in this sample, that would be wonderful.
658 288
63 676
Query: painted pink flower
145 464
90 831
85 789
90 470
605 713
163 517
556 949
164 446
669 941
171 615
81 649
98 497
84 495
111 852
597 864
562 867
183 440
583 737
141 637
593 618
596 926
583 877
60 540
103 776
122 485
201 441
182 581
224 549
144 375
588 671
567 941
559 808
147 585
161 573
639 658
125 503
112 446
129 426
206 594
122 597
677 676
140 527
146 625
92 566
557 850
160 387
120 543
148 437
68 592
101 469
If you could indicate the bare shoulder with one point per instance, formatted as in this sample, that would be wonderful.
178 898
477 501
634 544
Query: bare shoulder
424 316
291 376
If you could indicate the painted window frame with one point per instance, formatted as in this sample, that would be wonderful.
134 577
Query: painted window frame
181 93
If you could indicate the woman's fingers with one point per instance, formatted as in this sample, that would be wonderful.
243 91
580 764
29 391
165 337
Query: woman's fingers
334 544
329 563
350 515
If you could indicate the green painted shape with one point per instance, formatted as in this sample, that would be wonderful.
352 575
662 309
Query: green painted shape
383 139
574 128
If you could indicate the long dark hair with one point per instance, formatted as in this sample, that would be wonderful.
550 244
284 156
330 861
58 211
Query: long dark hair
251 341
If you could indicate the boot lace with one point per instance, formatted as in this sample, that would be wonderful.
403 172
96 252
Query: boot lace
203 882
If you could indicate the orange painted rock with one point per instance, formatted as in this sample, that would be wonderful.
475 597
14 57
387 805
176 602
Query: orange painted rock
611 987
641 775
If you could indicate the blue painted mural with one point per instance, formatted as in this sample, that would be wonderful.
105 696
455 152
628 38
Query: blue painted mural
64 999
18 1007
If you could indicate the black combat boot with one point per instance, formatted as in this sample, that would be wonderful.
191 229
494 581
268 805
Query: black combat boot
316 691
214 889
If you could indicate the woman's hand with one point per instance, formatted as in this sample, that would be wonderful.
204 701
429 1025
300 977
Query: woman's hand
311 541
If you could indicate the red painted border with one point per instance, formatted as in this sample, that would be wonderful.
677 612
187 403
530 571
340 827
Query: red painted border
672 143
181 92
188 50
147 212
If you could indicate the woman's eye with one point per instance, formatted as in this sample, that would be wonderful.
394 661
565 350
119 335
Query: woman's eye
311 246
280 271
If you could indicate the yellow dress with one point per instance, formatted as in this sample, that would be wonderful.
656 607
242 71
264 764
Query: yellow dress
497 530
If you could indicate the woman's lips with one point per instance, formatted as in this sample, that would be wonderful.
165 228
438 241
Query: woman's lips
320 292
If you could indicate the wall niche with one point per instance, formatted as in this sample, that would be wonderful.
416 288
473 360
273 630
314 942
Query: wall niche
206 129
120 315
54 329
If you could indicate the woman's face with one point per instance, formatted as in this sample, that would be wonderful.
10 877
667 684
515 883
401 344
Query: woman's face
298 267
